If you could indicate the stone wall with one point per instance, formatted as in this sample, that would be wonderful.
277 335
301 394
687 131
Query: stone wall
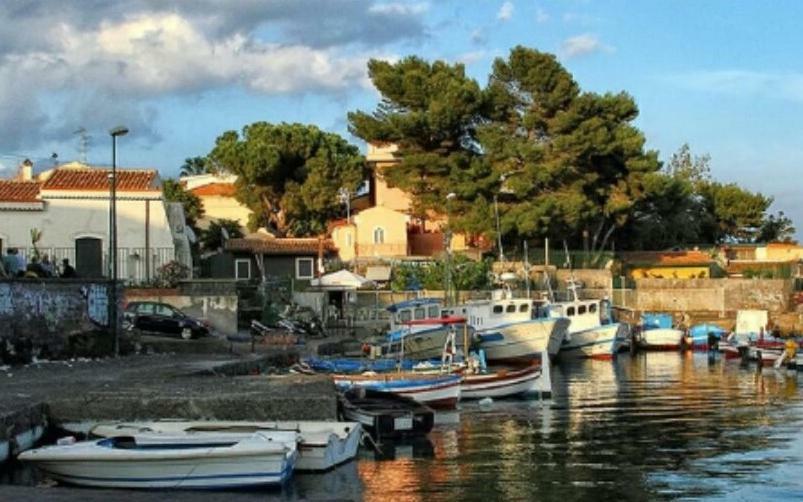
213 301
46 318
709 295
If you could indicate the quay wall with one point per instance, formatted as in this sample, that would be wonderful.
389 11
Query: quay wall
720 295
52 318
211 300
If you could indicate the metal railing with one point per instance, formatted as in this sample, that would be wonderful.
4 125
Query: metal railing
131 262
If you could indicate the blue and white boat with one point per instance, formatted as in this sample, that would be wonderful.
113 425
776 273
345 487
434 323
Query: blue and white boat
419 329
512 329
702 334
436 390
123 462
592 333
657 332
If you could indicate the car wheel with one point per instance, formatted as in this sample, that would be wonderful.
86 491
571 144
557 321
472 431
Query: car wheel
186 333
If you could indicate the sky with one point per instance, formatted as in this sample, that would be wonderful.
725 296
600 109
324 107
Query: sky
724 76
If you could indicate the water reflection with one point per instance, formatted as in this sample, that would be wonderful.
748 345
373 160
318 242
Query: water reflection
653 426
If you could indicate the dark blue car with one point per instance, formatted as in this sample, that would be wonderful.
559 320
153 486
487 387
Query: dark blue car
163 318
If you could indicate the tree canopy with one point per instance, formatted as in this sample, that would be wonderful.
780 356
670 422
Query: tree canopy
194 166
289 174
174 191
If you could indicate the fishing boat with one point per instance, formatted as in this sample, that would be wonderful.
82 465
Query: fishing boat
524 381
418 330
123 462
386 415
706 336
657 333
321 445
512 330
439 390
592 332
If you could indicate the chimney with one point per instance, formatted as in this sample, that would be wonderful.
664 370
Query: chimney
25 172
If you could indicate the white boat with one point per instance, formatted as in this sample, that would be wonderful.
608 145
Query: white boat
418 330
657 333
511 329
438 391
321 445
122 462
529 380
592 332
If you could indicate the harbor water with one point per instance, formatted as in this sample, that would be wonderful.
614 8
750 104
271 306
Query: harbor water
656 426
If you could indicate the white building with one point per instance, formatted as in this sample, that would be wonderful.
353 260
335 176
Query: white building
70 206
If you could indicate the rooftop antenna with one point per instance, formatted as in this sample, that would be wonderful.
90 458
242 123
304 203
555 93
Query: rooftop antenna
83 143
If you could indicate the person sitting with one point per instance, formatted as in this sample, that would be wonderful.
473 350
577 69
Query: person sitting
67 271
47 266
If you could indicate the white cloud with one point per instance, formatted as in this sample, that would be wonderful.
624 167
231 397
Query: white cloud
505 11
472 57
478 37
582 45
541 16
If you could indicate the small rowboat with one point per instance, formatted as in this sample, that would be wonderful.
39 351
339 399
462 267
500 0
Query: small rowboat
321 445
386 415
502 383
440 391
124 462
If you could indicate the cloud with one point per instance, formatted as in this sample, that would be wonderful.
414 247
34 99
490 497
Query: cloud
582 45
472 57
541 16
505 12
88 62
782 85
478 37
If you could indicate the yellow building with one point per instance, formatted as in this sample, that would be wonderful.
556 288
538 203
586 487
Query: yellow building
667 264
217 194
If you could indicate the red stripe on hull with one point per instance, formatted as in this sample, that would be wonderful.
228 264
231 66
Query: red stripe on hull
602 357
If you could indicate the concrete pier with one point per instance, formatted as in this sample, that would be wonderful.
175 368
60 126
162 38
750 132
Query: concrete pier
188 386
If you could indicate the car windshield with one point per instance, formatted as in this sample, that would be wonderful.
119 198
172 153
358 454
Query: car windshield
166 310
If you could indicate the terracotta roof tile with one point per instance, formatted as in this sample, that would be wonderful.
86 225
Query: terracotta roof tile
97 179
280 246
19 191
221 189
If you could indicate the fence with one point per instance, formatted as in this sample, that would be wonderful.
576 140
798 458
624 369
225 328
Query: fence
131 262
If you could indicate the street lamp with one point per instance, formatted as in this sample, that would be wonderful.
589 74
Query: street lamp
117 131
448 244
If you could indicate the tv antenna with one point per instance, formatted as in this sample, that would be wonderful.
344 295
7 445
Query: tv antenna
83 143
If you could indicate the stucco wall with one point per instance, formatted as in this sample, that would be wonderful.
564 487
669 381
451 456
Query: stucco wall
394 225
219 207
44 315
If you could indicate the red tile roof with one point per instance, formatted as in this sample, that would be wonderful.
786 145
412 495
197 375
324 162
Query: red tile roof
222 189
267 244
19 191
97 180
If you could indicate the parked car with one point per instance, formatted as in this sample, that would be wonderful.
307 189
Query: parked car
163 318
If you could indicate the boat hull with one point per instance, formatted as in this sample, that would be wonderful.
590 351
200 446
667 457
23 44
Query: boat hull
88 464
386 415
321 445
660 339
601 342
500 384
442 391
524 341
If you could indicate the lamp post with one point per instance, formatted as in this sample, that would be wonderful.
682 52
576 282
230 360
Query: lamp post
448 244
117 131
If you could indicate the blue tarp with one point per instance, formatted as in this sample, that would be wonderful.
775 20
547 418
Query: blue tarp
655 320
345 365
701 331
417 302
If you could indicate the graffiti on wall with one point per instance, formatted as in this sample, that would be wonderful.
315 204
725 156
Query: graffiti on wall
97 304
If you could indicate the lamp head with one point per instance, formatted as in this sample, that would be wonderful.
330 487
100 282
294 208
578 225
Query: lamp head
118 131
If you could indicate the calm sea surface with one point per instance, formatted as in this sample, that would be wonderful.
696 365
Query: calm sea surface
648 427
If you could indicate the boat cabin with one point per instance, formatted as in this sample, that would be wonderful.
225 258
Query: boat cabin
419 309
583 314
501 309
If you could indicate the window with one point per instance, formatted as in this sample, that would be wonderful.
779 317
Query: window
432 311
570 311
164 310
581 309
379 235
497 309
420 313
145 309
592 308
304 268
405 316
510 308
524 307
242 269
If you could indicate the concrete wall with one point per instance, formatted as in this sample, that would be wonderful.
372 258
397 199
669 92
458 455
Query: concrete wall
213 301
718 295
394 225
590 278
42 316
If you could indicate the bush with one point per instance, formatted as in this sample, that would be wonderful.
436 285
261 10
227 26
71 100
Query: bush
171 273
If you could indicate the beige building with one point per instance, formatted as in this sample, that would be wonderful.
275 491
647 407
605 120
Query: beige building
217 194
69 205
383 225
